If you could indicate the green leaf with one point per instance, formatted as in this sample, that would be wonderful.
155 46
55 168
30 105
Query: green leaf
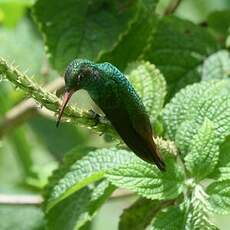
221 173
151 86
82 172
139 215
222 170
70 158
147 180
171 218
217 66
132 43
179 55
219 21
214 108
188 105
79 208
198 211
15 217
217 110
184 135
82 28
219 196
204 151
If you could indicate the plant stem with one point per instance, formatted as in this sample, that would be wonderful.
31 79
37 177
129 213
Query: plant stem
51 101
20 199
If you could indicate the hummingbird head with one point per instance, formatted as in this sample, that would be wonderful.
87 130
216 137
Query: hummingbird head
76 77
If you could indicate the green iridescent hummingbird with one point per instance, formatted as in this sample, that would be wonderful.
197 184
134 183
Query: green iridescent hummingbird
116 97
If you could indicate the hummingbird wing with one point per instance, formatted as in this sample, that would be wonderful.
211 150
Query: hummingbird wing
142 126
124 108
138 136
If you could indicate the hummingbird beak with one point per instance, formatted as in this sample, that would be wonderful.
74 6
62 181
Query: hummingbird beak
66 99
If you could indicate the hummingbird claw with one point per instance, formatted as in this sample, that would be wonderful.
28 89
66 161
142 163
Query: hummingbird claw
96 117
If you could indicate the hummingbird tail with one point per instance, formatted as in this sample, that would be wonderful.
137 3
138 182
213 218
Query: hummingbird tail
159 163
155 155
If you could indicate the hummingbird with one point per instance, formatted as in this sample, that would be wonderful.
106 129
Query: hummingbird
116 97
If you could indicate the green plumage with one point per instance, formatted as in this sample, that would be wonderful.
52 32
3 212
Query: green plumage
123 107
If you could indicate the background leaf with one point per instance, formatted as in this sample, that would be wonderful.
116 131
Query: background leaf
139 215
179 55
151 86
82 28
59 142
13 11
217 66
171 218
219 22
131 44
79 208
21 218
12 50
219 196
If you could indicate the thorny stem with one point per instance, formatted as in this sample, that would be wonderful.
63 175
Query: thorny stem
51 101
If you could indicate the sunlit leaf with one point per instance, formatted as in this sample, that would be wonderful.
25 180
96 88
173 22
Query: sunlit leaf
203 153
75 175
147 180
219 196
151 86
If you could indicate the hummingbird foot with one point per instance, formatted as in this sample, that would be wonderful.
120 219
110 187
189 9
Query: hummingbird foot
95 116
